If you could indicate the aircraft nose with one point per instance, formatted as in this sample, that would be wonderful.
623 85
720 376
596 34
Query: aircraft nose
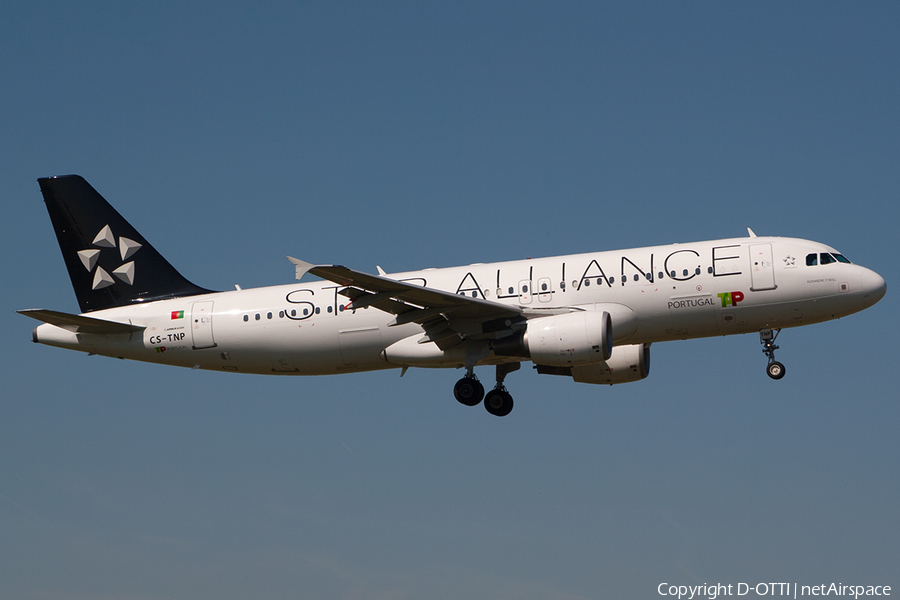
873 286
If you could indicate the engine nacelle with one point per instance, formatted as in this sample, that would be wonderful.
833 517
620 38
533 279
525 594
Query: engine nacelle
627 363
576 338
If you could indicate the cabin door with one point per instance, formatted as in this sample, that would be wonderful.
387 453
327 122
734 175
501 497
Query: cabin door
201 325
762 269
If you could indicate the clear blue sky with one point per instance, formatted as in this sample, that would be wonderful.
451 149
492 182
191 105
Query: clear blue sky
413 135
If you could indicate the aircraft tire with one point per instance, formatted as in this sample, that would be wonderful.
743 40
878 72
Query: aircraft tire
775 370
468 391
498 402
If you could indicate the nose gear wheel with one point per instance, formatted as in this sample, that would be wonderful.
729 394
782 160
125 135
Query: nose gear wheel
774 369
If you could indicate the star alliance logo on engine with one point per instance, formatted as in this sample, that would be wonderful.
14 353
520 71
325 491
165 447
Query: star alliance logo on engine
105 239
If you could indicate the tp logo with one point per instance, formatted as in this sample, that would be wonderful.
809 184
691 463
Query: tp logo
731 298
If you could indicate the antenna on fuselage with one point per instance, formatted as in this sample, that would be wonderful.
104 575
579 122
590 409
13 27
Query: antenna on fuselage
750 232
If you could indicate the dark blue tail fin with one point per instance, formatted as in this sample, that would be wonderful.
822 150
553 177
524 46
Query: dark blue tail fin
109 262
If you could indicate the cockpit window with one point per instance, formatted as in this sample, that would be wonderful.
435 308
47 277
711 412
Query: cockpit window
825 258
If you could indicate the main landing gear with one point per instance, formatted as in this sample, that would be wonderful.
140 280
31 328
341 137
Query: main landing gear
774 369
468 390
498 401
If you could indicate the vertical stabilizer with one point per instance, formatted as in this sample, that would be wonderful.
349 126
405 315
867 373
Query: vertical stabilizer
109 262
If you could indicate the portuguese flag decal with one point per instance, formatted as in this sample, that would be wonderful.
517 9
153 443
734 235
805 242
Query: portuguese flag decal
177 314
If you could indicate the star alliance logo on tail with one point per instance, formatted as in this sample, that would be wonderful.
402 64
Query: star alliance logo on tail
106 239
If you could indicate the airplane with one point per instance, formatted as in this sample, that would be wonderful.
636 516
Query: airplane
591 317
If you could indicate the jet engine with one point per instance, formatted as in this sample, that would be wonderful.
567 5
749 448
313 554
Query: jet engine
627 363
576 338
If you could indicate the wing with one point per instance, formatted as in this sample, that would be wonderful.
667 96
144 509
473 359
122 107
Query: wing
447 318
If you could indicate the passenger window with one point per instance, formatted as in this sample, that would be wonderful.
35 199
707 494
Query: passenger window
697 271
293 312
826 258
636 277
543 287
305 311
257 316
246 318
269 316
624 279
511 291
329 309
587 282
562 285
318 310
661 274
812 260
280 314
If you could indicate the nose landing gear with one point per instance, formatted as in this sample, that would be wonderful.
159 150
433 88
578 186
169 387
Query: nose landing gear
774 369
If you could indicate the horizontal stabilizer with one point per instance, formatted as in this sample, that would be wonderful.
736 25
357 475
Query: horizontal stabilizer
79 323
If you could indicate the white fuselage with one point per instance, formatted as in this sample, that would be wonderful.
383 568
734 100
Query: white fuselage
653 294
